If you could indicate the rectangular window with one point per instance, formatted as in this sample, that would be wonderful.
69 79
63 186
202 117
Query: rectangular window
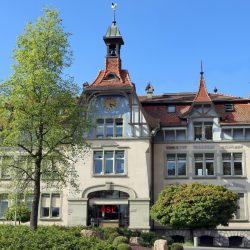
109 162
6 163
100 128
232 164
118 127
238 134
226 134
204 164
50 205
171 109
175 135
229 107
109 128
4 203
241 211
203 131
176 165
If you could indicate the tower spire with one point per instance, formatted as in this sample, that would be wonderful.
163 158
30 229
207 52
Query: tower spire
202 72
114 6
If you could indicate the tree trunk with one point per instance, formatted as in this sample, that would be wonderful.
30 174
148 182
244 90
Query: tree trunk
35 203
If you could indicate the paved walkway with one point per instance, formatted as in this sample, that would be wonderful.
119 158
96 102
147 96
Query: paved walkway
213 248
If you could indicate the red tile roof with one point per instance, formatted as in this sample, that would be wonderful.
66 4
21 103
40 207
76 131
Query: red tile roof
202 95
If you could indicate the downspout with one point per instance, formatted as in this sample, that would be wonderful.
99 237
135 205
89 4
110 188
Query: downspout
152 189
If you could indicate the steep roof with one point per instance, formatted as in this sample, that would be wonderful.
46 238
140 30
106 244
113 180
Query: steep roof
202 94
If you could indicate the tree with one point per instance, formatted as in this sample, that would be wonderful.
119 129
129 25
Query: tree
194 205
43 121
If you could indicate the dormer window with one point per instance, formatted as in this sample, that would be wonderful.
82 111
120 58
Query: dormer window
203 131
171 109
229 107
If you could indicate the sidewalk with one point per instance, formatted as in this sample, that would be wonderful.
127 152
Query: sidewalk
213 248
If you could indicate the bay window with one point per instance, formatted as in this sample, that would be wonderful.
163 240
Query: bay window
203 131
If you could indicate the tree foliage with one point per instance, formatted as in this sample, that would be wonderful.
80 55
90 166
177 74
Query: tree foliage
194 205
43 121
17 211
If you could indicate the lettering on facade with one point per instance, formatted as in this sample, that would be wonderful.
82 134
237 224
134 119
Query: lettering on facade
232 147
176 147
203 147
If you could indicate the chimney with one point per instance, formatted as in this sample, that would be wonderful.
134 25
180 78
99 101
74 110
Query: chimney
150 90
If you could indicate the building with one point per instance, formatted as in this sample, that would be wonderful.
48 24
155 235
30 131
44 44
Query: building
142 143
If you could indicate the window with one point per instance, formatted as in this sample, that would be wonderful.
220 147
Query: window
6 162
50 205
240 213
4 203
229 107
232 164
235 134
109 128
109 162
171 109
204 164
203 131
175 134
176 165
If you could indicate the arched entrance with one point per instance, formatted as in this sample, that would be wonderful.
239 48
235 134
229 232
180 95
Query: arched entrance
108 205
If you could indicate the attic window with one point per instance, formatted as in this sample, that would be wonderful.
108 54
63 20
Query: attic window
171 109
229 107
111 77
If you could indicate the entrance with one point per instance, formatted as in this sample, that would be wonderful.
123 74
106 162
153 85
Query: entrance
108 209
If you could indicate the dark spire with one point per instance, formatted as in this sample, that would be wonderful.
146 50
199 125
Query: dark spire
202 72
113 6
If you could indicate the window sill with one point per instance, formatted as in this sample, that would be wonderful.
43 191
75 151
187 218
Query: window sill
239 220
109 175
176 177
233 177
205 177
50 219
5 179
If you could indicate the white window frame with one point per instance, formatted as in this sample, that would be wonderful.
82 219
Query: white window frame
176 161
245 210
232 161
232 133
103 161
171 109
203 126
204 160
50 196
174 130
105 126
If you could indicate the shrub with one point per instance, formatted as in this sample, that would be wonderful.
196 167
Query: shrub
120 239
106 232
176 246
124 246
128 233
20 210
147 239
112 236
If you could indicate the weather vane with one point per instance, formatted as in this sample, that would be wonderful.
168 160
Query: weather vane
113 6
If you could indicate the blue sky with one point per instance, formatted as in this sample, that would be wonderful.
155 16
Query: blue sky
164 40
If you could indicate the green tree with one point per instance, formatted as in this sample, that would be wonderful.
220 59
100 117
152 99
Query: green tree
43 121
194 206
18 212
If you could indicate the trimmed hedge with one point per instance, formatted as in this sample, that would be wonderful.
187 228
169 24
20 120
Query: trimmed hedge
48 237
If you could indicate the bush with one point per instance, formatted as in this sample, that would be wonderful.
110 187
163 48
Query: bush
106 232
176 246
124 246
21 211
128 233
120 239
147 239
112 236
48 237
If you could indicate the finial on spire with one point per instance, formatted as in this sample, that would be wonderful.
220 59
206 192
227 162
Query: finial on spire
113 6
202 72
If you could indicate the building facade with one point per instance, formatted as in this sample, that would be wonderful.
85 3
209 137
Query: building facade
140 144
